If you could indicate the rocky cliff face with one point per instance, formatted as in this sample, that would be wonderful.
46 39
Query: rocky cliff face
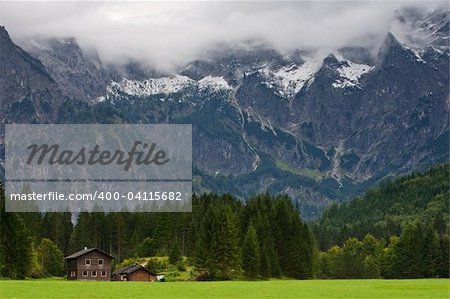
80 74
318 128
28 92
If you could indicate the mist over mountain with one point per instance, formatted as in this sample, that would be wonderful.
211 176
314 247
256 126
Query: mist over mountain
168 36
321 121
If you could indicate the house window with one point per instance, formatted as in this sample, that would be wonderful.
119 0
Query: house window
73 273
94 273
87 262
103 273
85 273
100 262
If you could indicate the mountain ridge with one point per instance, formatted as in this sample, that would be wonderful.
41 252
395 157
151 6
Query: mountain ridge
320 129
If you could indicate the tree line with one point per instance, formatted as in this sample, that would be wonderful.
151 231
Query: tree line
417 253
399 229
223 238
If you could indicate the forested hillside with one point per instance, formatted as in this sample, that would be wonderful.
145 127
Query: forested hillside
383 211
397 230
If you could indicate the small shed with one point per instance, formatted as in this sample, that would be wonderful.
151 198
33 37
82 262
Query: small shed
134 273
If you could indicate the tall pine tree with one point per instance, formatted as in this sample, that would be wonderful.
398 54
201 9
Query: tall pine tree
251 253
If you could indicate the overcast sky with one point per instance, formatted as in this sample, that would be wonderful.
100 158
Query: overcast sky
171 33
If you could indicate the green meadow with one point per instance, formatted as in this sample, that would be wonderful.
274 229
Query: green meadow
420 288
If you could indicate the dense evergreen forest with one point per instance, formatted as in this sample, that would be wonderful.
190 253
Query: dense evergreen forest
397 230
222 238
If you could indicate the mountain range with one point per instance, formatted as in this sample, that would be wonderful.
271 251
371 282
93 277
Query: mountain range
320 128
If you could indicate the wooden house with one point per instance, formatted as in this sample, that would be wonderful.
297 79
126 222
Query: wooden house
134 273
89 264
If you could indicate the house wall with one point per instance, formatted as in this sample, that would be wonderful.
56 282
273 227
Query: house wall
93 268
72 267
142 275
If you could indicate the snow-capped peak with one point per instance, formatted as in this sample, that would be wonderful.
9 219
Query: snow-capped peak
289 80
420 33
350 73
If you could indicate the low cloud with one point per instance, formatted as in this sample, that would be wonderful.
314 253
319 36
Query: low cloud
166 34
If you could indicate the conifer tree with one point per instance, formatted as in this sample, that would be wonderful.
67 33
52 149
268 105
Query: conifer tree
205 249
175 253
251 253
227 239
15 243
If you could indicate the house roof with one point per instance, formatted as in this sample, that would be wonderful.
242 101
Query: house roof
131 269
84 251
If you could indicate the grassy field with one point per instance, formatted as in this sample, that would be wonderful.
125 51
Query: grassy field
423 288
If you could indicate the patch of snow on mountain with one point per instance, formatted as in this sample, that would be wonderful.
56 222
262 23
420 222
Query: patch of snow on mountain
350 73
418 53
421 32
289 80
165 85
215 83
